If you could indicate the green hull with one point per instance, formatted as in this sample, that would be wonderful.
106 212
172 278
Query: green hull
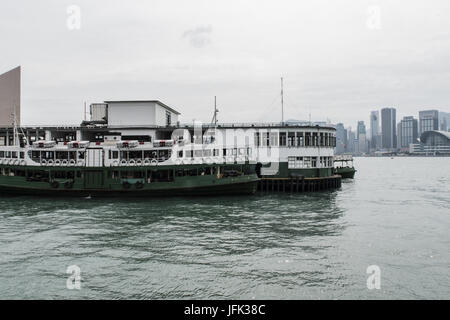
128 181
345 173
217 190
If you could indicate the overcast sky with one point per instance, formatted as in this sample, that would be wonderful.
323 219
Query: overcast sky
340 59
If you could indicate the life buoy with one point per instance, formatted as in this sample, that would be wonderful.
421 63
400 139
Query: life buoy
147 162
123 162
50 162
154 162
16 162
23 162
43 162
57 162
72 162
64 162
132 162
139 162
115 163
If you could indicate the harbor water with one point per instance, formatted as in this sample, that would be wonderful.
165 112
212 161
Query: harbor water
394 217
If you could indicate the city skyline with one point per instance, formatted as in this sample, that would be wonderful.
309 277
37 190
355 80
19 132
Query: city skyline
392 133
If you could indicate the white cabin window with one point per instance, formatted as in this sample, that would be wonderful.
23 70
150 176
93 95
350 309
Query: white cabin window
282 139
168 118
207 153
198 153
257 141
274 139
291 162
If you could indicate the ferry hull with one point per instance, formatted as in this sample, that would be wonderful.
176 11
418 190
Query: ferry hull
346 173
236 188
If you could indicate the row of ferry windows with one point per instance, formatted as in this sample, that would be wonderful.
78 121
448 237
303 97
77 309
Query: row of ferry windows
215 152
165 154
128 155
295 139
309 162
60 155
12 155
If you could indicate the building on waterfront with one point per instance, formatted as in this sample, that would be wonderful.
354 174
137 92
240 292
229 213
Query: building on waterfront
374 129
432 143
428 120
444 121
341 139
10 97
407 132
388 129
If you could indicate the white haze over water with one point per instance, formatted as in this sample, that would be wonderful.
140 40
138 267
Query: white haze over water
339 59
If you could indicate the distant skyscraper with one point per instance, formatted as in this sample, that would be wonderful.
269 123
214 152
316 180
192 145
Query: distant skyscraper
341 139
374 129
351 141
444 118
361 128
361 137
408 132
428 120
388 128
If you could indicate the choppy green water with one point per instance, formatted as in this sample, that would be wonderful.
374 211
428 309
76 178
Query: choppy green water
396 214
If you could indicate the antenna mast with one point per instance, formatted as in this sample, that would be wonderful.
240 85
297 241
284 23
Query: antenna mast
214 119
282 102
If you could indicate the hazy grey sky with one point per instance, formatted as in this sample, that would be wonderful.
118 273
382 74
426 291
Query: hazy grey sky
340 58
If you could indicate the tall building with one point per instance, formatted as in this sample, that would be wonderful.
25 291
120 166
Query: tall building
361 137
374 129
350 141
361 128
341 139
428 120
388 128
10 97
408 132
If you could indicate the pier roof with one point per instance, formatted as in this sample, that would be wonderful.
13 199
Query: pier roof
144 101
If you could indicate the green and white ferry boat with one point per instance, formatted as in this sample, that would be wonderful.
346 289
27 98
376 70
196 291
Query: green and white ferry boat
139 148
131 168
